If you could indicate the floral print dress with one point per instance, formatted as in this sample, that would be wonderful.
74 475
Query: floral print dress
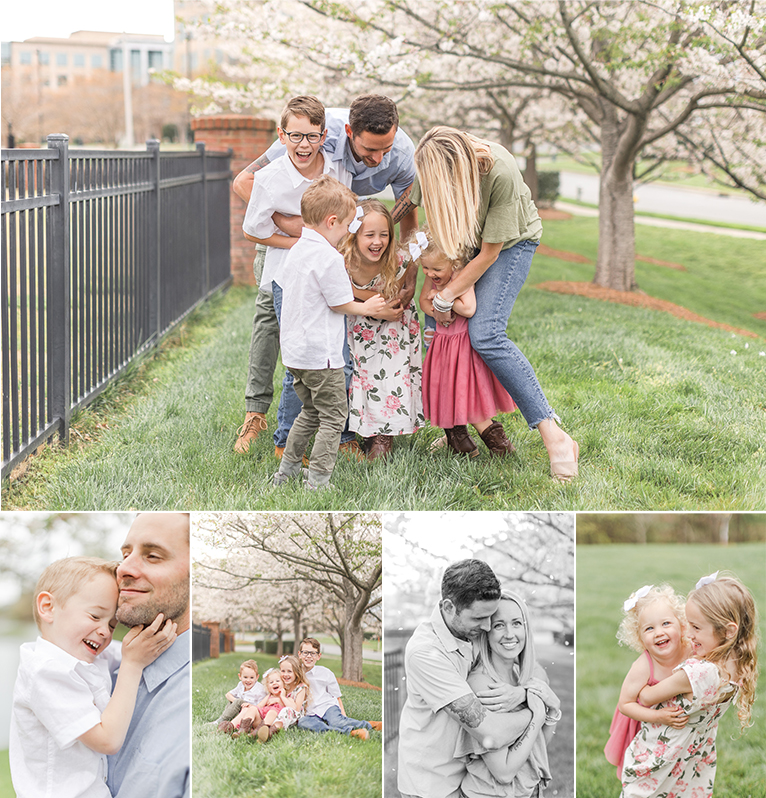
663 762
385 390
288 715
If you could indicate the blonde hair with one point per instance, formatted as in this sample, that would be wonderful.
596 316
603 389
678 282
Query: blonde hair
304 105
250 663
450 164
527 661
300 674
325 197
723 601
433 249
63 578
628 633
389 261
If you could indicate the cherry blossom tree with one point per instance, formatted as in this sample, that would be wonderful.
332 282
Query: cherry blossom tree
644 79
302 563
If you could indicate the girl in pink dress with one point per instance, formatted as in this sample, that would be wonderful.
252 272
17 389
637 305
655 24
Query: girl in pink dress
654 624
458 387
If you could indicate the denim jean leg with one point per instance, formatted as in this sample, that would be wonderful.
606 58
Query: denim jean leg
348 370
337 721
496 293
313 723
289 404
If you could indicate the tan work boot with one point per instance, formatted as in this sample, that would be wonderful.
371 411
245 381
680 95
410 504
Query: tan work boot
351 449
255 423
362 734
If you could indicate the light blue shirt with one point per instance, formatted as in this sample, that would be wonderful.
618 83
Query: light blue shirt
397 169
154 759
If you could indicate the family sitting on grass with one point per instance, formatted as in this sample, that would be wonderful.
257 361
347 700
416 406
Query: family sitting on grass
299 693
341 290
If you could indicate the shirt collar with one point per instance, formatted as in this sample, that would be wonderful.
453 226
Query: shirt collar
447 639
296 178
312 235
168 662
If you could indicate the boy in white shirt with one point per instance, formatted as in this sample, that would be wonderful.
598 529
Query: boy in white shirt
278 188
326 712
248 691
317 292
63 722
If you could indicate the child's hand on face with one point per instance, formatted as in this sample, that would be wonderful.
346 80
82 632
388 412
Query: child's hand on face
142 645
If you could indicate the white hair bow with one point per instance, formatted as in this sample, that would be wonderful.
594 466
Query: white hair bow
706 580
634 597
357 221
421 243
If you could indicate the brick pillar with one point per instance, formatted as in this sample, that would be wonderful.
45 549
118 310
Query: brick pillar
248 137
215 641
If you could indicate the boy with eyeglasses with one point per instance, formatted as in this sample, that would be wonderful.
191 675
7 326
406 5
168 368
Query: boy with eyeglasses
279 188
326 712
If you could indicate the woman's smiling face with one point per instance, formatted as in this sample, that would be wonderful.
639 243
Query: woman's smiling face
507 635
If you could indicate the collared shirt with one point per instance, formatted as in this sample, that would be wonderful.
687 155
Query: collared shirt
154 759
56 699
251 696
278 188
325 690
436 664
397 169
314 280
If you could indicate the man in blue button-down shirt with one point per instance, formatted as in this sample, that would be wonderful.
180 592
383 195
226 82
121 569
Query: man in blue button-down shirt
154 577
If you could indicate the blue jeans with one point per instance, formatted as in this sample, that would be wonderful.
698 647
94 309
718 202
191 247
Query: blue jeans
496 292
289 403
332 720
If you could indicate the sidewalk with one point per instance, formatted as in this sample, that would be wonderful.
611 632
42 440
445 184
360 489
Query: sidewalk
327 648
579 210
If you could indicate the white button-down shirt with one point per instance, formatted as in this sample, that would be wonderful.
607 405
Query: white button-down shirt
56 699
279 187
325 690
251 696
314 280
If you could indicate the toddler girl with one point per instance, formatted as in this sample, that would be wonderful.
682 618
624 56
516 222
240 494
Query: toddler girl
295 695
271 702
384 398
654 624
458 387
723 670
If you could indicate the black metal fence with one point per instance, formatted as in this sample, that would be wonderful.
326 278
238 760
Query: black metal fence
200 642
103 252
394 693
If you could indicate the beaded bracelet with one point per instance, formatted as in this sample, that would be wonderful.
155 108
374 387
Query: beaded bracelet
551 719
441 304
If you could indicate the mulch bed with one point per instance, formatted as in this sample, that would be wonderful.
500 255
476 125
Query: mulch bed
634 299
366 686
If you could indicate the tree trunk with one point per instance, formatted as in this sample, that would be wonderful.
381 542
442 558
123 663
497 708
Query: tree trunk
723 529
352 652
530 172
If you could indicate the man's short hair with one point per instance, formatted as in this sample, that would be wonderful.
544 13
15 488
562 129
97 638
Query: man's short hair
63 578
303 105
373 113
467 581
312 641
325 197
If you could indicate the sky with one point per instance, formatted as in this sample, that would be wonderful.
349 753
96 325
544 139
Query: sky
57 19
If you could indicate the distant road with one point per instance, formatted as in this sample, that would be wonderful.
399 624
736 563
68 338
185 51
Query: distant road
687 203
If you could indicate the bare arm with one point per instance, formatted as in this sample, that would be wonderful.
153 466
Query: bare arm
140 647
676 684
370 307
291 225
277 240
243 182
297 701
229 696
492 729
637 677
340 704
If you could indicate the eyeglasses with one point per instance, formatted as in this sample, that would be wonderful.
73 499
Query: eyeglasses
308 653
297 138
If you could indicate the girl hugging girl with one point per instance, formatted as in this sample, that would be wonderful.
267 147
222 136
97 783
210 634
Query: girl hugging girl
458 387
680 760
384 398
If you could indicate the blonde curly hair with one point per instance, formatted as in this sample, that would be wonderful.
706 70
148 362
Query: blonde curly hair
628 632
722 602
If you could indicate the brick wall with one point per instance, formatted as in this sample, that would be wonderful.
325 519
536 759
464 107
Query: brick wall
247 137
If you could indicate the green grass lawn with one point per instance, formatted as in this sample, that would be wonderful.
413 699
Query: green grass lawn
666 416
294 764
606 575
6 786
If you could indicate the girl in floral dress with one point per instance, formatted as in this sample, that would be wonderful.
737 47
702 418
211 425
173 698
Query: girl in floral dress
384 398
663 762
654 623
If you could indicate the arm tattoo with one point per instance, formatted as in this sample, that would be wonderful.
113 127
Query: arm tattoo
402 206
532 726
468 710
257 164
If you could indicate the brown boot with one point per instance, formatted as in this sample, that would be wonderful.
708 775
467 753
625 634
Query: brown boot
379 446
496 441
255 423
275 728
244 728
362 734
351 449
263 733
461 442
227 727
377 725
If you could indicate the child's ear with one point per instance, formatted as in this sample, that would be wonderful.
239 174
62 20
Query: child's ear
730 630
281 134
45 603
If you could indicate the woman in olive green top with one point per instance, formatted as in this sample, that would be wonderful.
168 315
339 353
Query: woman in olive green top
479 208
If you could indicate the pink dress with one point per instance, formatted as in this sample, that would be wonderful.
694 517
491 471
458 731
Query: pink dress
458 387
624 729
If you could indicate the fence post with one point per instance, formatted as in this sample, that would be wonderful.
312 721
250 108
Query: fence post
205 220
59 264
153 244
